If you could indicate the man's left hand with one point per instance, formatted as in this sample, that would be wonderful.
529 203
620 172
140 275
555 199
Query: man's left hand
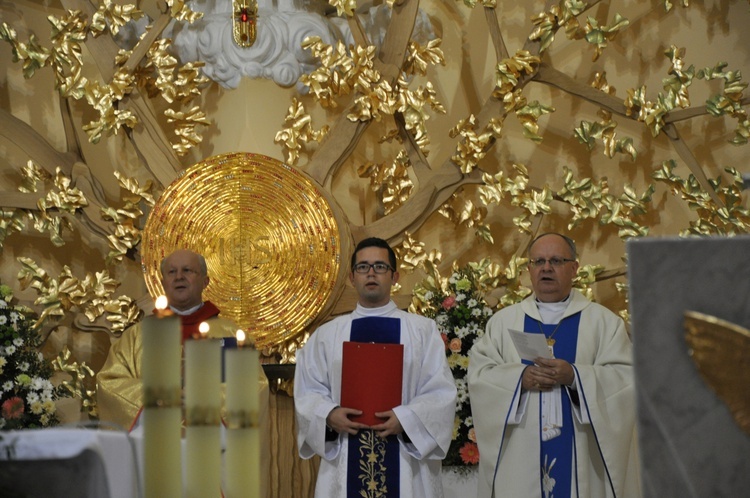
391 426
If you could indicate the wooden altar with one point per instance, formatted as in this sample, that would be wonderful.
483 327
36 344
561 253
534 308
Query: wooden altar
288 474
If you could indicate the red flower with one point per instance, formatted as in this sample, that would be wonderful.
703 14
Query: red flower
12 408
449 302
470 453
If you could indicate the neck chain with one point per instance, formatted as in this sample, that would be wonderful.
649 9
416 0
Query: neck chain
550 339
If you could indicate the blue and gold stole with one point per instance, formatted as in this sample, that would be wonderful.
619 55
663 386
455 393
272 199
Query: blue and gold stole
556 457
373 468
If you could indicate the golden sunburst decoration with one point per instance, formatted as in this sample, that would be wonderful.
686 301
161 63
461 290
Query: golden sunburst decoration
271 240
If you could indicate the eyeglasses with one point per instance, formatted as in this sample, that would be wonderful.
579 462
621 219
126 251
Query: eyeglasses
365 267
555 262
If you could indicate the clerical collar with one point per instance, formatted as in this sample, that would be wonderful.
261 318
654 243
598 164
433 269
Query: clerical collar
187 311
381 310
552 312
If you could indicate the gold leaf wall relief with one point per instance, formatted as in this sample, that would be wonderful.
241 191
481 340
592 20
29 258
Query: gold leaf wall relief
721 352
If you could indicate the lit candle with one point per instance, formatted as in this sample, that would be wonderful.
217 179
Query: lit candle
162 407
242 459
202 416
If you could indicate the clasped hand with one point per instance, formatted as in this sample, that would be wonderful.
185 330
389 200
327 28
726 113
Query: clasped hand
338 420
546 374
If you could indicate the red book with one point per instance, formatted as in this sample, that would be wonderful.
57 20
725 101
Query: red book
371 376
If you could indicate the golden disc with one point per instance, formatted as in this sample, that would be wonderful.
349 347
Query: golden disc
270 238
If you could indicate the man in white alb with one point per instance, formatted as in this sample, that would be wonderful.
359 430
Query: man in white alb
559 427
401 456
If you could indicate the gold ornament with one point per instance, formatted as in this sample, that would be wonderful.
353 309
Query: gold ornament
244 22
271 241
721 351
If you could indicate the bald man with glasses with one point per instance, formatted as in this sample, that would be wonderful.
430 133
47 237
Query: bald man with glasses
399 455
562 425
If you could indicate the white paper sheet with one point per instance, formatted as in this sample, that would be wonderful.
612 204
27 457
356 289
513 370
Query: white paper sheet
530 346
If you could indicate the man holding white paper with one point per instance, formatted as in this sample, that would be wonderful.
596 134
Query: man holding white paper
401 455
561 424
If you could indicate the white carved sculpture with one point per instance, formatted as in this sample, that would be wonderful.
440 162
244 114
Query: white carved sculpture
277 53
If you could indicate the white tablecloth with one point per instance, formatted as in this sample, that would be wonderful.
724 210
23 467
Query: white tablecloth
69 463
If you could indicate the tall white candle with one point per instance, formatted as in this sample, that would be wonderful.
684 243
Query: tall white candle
202 416
242 460
162 396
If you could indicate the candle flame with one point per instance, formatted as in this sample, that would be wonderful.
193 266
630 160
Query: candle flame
161 303
240 336
203 329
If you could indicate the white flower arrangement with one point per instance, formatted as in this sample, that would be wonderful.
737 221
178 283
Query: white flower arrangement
27 397
458 307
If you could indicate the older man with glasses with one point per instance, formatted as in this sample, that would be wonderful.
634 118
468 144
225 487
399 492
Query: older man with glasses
561 424
399 454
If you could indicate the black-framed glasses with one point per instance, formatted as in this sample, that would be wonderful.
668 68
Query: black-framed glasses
555 262
377 267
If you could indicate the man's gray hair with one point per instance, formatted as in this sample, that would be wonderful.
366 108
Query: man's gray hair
201 263
571 243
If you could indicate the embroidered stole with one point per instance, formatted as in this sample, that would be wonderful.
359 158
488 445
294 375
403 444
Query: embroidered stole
373 468
556 456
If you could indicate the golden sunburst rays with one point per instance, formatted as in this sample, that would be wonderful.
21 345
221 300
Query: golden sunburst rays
271 239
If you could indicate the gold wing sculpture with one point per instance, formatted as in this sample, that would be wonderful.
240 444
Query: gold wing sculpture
721 351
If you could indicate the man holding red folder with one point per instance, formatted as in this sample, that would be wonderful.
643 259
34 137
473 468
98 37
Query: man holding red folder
374 396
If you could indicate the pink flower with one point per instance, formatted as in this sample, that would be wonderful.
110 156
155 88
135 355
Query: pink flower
449 302
12 408
472 435
455 345
469 453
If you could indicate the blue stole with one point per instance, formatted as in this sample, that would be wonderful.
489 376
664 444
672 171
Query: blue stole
559 449
373 467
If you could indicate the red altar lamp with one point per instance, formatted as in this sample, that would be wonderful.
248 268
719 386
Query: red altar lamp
244 22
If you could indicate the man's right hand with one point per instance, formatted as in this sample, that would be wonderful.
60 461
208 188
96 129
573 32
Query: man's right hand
339 421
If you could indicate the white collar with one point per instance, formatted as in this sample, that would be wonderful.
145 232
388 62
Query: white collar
187 311
552 312
379 311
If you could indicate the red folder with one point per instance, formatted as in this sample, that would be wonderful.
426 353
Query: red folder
371 376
